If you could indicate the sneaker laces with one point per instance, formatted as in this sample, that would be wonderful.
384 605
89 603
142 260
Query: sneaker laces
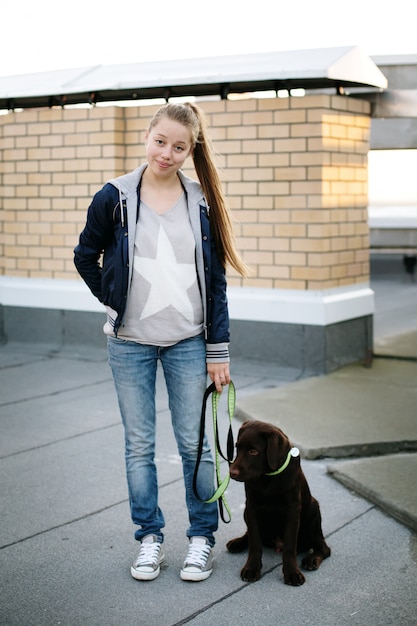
148 554
197 554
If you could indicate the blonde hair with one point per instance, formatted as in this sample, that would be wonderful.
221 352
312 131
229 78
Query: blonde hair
193 118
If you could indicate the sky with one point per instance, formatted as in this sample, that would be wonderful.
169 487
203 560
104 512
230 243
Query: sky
42 35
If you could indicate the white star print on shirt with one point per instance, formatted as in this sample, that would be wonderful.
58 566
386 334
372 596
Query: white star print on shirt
169 280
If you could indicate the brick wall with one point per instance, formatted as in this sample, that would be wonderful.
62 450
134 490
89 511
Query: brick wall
295 173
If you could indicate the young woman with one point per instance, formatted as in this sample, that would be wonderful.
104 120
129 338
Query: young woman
166 240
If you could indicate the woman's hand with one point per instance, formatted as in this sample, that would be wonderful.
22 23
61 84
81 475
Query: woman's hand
219 374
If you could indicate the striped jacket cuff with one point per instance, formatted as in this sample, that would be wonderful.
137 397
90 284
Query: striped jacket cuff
217 353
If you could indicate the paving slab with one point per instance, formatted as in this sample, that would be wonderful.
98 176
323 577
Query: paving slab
365 582
403 346
390 481
355 411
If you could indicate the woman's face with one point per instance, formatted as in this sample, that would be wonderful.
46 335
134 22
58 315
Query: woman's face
168 144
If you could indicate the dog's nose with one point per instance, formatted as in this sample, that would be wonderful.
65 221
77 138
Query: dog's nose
234 472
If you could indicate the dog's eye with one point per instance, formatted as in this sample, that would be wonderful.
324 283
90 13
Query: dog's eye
253 452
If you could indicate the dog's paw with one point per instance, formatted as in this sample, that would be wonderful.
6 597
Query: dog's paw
296 578
312 561
250 575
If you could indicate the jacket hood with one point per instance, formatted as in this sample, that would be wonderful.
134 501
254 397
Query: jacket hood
193 189
128 184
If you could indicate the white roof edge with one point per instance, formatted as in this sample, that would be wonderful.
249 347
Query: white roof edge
395 59
353 64
345 64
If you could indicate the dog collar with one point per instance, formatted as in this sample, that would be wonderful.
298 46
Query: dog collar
292 453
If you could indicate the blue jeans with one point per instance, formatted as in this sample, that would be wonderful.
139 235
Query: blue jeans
134 369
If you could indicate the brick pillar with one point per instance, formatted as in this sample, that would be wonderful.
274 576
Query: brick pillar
296 172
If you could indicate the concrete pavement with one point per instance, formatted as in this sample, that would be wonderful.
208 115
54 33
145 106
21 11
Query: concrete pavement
66 540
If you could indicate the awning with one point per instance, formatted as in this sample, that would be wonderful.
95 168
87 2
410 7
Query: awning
310 69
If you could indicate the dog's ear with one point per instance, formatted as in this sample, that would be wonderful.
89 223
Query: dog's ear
277 445
273 450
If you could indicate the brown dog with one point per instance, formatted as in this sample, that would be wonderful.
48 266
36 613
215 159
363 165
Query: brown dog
280 510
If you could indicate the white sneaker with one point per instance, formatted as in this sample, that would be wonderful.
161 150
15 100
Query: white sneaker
146 566
198 564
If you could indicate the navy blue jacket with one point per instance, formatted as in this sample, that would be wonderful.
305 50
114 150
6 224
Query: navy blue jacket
110 231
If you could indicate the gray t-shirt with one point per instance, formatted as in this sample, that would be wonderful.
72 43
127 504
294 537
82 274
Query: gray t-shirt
164 304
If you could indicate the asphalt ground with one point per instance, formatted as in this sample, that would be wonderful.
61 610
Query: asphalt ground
66 539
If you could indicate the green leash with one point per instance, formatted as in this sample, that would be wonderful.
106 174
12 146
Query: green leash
221 483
